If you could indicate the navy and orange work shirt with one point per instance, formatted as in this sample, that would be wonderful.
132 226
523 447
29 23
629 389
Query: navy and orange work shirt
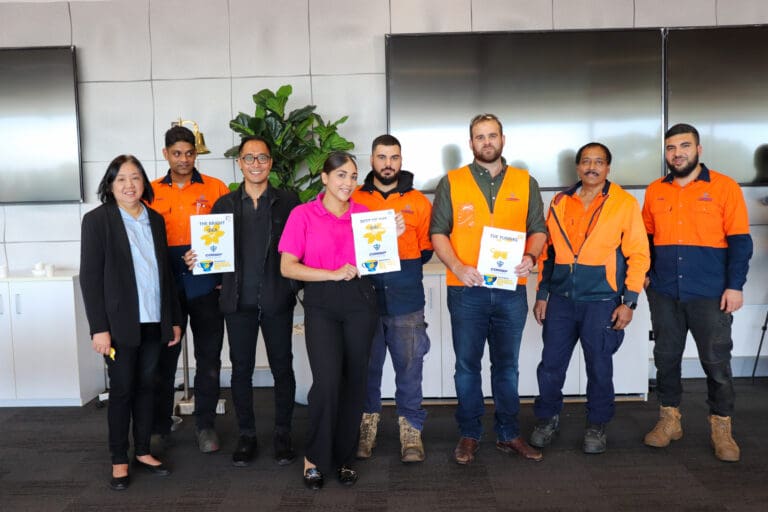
699 235
176 204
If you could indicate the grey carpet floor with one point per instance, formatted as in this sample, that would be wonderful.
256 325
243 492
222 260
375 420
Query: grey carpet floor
56 459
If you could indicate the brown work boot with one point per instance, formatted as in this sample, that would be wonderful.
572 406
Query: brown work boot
411 447
465 450
368 428
726 448
667 429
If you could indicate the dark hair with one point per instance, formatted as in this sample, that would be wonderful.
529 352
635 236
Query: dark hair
588 145
385 140
485 117
680 129
250 138
179 134
336 159
105 187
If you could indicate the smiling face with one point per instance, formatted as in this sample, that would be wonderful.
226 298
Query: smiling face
682 154
341 181
128 186
487 141
181 160
255 173
593 166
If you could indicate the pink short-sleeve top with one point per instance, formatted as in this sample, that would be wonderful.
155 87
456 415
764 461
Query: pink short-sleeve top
317 237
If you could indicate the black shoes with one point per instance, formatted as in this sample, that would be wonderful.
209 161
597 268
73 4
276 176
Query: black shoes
545 431
119 483
595 439
347 475
246 450
313 479
284 453
159 470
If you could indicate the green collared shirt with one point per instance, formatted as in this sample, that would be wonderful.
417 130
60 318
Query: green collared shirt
442 207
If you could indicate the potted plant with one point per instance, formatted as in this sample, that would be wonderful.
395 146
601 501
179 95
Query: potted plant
300 141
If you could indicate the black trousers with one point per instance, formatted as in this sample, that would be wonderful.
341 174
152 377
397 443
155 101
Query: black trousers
207 336
131 393
711 329
340 320
243 330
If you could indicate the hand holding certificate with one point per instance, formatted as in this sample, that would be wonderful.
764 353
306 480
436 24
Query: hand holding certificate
214 243
376 242
500 252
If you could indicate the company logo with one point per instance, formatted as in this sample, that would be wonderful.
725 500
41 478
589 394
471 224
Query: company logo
370 265
207 266
489 280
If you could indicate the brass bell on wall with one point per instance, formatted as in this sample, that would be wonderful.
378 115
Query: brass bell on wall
200 146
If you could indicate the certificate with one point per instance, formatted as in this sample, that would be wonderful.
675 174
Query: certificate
376 242
213 241
501 250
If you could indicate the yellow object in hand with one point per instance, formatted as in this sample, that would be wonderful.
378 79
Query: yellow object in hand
112 353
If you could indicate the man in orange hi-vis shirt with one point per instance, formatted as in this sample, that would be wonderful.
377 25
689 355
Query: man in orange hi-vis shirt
698 229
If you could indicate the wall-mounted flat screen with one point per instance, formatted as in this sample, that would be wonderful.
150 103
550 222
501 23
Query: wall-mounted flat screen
554 91
717 82
39 138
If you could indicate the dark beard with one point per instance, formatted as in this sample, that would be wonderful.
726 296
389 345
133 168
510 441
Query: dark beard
480 158
384 180
685 171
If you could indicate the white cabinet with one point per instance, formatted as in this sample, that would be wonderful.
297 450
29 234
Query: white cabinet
45 346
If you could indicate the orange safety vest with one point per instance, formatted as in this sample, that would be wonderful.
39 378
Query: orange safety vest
471 213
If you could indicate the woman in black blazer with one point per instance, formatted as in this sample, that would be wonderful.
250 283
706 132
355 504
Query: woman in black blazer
130 301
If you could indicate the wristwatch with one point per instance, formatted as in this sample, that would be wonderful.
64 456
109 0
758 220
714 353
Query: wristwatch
631 305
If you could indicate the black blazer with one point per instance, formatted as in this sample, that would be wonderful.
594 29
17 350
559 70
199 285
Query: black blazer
108 281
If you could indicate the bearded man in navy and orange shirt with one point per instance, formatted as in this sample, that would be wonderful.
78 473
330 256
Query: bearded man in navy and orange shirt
400 295
698 228
592 272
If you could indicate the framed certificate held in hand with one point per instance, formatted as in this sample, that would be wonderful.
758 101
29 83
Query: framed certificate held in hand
501 250
213 241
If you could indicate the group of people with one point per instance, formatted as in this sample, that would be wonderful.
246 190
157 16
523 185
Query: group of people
595 250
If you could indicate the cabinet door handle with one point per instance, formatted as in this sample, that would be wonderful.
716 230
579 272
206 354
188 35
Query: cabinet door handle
429 298
18 303
2 311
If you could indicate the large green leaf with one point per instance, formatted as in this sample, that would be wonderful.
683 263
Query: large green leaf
300 114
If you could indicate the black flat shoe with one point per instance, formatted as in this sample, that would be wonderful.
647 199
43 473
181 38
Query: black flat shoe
347 475
119 483
313 479
245 451
159 470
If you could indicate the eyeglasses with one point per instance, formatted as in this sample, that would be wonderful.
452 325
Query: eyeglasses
261 158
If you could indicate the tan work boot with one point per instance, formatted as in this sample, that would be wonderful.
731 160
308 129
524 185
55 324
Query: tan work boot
726 448
368 428
667 429
411 447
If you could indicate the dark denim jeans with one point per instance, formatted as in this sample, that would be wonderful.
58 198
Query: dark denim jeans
406 338
243 329
566 323
498 316
711 329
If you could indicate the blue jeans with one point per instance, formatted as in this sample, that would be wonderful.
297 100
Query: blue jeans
406 338
479 314
566 323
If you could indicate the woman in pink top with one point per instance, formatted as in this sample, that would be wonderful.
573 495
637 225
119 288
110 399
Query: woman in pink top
340 316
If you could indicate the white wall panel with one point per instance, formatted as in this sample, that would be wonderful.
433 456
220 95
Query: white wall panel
35 25
112 40
190 38
490 15
584 14
742 12
682 13
116 118
350 95
23 256
269 38
42 222
347 36
421 16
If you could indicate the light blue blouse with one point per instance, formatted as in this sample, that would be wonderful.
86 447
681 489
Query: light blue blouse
144 264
